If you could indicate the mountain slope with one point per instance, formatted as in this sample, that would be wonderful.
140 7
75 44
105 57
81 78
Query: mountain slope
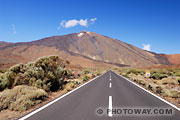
85 46
173 58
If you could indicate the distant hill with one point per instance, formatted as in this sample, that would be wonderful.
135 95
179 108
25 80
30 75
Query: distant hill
173 58
85 49
3 44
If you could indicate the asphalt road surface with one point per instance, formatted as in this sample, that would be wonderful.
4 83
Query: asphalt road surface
108 97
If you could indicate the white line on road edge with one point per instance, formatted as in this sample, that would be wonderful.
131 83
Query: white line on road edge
110 106
151 93
57 99
110 85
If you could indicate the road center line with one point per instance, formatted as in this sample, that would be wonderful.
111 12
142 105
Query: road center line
110 85
110 106
110 75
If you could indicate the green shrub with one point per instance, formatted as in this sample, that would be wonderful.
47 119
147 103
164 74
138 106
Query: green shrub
45 72
141 72
39 83
167 72
3 83
125 75
135 71
86 71
18 68
158 76
85 78
177 74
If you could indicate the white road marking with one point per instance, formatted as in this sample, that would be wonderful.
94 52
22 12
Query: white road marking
110 106
57 99
151 93
110 85
110 76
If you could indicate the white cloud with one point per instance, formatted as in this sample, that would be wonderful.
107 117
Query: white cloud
93 19
61 24
83 22
70 23
13 28
146 47
74 22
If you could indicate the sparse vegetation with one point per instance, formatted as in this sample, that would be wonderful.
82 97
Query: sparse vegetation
2 71
135 71
158 75
177 74
21 97
86 71
85 78
175 94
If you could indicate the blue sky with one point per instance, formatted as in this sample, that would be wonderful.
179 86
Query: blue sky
138 22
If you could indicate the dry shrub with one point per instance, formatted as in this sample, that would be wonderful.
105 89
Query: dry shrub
159 89
69 86
141 82
85 78
21 97
169 81
90 75
175 94
163 91
152 87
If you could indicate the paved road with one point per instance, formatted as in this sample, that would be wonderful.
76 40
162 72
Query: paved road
108 91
